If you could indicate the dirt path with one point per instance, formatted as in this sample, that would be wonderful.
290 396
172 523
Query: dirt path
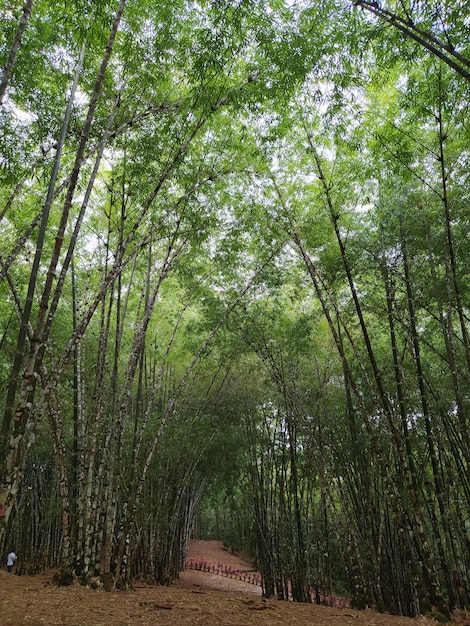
214 553
198 599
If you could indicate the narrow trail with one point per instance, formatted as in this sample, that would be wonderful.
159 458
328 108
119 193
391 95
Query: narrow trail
205 558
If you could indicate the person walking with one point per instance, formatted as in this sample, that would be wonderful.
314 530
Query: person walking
11 561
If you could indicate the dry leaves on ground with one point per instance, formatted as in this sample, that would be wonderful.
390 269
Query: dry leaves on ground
199 598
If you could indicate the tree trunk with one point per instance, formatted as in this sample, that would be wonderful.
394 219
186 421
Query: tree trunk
451 565
8 69
14 456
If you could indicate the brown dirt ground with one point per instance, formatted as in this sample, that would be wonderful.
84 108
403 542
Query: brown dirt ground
197 599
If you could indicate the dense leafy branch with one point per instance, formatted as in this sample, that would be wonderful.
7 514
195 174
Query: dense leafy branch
443 50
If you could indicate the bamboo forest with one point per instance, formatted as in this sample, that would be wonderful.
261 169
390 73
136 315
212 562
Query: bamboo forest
235 292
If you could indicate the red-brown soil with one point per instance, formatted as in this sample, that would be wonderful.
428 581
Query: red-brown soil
198 598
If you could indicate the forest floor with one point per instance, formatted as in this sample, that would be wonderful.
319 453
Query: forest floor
197 598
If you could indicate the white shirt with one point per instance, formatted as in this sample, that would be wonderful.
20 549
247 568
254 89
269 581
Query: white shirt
11 558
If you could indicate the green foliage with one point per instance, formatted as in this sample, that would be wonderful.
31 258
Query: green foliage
271 290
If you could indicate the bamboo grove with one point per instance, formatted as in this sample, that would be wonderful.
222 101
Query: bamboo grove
235 292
